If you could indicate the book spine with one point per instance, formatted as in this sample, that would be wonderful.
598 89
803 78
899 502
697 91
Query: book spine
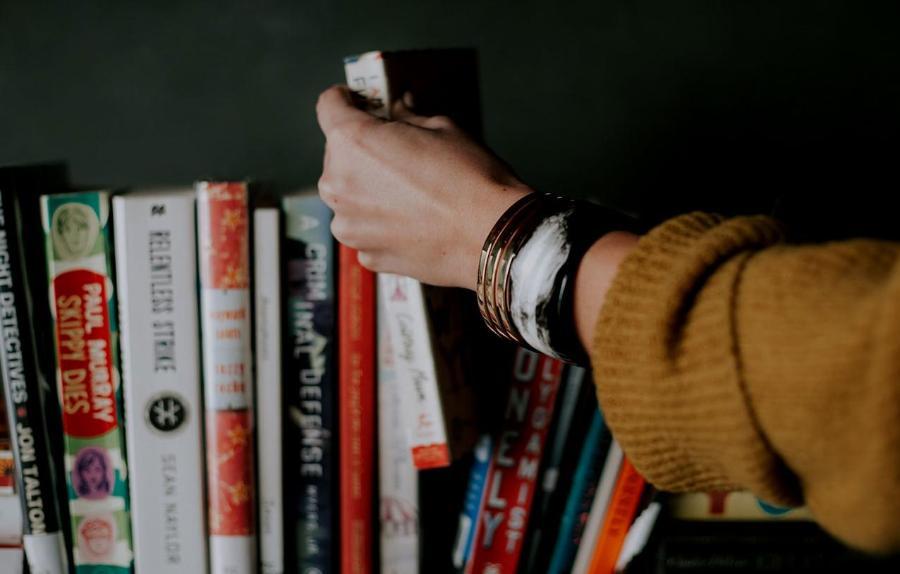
622 509
356 400
223 237
468 518
581 494
76 230
638 535
729 506
590 533
11 527
42 536
267 319
156 269
512 478
11 560
397 477
356 320
311 385
558 461
406 315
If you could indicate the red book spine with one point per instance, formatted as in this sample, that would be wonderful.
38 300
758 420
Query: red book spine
356 400
512 477
622 509
224 236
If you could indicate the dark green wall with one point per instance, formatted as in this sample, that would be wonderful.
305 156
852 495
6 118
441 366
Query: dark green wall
655 105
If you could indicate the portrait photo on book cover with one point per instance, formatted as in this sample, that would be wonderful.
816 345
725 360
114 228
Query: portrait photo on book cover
74 230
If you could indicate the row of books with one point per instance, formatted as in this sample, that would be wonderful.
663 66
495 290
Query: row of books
274 353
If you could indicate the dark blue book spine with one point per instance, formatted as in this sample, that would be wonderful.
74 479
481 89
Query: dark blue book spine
468 518
578 505
310 386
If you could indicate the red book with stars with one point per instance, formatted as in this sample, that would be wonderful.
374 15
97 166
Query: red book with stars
356 411
223 236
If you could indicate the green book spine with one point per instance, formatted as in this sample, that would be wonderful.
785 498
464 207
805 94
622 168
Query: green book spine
82 301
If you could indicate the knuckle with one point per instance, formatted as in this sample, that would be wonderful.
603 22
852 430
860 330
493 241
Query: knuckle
348 133
440 122
368 260
327 191
343 232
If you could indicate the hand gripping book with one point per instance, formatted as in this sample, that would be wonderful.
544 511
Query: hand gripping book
34 471
513 475
76 228
310 384
223 233
156 271
437 408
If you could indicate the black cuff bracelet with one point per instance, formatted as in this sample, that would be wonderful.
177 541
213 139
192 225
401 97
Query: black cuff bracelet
531 297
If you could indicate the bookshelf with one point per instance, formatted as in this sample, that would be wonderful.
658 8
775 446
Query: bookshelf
648 95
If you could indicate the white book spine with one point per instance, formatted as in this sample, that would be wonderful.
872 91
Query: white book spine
11 560
406 314
157 280
10 520
608 477
267 316
397 478
406 311
43 547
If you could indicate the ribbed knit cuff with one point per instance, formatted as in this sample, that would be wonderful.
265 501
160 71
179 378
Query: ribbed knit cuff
667 363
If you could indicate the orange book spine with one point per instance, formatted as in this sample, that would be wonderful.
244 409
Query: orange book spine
622 509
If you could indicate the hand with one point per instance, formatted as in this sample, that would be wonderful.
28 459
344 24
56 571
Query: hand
415 196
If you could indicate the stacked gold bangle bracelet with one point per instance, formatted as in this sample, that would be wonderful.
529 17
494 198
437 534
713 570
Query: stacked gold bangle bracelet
497 255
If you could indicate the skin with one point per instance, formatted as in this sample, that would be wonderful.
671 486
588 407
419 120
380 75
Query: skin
417 197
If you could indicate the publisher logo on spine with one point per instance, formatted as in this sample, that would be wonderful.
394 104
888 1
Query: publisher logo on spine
166 412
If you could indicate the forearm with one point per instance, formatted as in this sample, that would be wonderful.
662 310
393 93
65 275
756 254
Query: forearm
727 359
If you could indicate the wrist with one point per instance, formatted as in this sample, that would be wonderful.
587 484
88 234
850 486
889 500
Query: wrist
479 221
595 275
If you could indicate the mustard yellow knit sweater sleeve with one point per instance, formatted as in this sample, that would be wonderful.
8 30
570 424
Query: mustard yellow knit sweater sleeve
725 358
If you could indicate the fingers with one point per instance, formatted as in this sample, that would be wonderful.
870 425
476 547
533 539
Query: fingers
336 107
402 110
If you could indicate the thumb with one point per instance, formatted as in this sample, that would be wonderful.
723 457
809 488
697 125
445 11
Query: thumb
336 106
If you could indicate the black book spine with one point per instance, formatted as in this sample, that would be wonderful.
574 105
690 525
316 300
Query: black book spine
44 542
